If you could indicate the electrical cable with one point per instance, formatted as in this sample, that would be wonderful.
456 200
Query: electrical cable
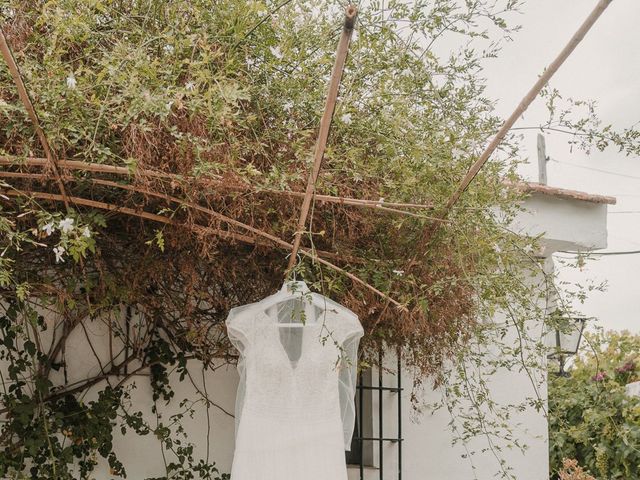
608 172
628 252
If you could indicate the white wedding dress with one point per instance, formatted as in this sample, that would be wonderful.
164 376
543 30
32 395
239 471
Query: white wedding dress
295 408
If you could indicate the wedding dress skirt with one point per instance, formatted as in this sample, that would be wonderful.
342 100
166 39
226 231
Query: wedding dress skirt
295 403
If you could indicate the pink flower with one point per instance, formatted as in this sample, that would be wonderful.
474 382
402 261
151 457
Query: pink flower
629 366
599 377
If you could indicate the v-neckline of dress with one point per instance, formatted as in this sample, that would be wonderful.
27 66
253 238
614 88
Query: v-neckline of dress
293 366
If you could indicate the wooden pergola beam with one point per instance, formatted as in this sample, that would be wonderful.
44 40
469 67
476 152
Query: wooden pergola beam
124 171
31 112
222 233
325 125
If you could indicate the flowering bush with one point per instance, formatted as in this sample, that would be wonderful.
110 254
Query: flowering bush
591 418
572 471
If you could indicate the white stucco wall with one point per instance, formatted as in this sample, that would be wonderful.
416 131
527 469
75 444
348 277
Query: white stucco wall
428 452
563 224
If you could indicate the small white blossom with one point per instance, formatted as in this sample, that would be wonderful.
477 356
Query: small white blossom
71 82
168 49
66 225
276 52
399 272
59 252
190 86
457 152
346 118
49 228
86 232
288 106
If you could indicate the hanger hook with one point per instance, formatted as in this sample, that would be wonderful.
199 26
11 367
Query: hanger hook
293 271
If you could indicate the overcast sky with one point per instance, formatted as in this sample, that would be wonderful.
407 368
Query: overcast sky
605 67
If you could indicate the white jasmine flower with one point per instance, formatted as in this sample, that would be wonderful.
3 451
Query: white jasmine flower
190 86
49 228
71 82
346 118
457 152
86 232
59 252
66 225
276 52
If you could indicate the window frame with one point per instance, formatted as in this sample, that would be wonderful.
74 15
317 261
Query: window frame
363 434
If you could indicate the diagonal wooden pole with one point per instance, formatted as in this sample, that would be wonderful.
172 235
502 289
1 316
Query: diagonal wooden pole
26 101
325 125
524 104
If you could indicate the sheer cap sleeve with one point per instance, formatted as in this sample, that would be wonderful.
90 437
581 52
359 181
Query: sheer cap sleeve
239 332
348 374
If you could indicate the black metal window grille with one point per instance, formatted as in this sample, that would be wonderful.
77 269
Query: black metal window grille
364 441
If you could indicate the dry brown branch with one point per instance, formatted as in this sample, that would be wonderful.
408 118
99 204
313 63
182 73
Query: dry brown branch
353 201
170 198
221 233
127 211
44 177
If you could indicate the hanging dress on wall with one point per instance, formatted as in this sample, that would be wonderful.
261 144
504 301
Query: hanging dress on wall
295 409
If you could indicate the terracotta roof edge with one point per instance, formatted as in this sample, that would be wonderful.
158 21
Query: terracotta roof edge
534 187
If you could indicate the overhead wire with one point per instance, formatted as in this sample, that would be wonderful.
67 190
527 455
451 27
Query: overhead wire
600 170
627 252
